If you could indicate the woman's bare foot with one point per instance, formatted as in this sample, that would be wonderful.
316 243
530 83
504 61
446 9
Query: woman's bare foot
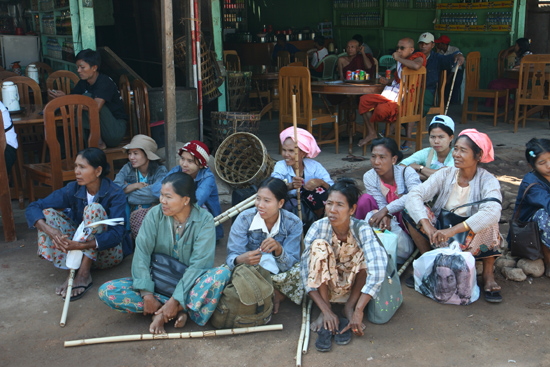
348 314
181 319
490 285
157 326
317 324
367 139
277 299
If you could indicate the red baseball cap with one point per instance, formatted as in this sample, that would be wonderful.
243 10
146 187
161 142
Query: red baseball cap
443 39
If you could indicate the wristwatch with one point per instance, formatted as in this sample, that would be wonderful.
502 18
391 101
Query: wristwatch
421 168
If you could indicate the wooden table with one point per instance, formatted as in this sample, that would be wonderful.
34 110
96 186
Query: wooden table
271 78
347 89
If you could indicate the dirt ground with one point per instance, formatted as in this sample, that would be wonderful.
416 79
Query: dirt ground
422 332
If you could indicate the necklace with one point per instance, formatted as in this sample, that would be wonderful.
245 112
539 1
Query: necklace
178 228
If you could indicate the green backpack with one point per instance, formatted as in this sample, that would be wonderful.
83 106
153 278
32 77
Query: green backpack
247 300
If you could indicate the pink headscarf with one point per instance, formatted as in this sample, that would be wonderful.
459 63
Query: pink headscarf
306 141
482 140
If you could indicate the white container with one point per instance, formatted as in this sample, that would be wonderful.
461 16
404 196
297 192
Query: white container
32 72
10 96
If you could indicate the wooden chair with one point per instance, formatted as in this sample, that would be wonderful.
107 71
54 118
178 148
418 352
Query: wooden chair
44 70
296 63
505 64
283 59
262 91
141 105
472 90
329 65
6 209
231 60
302 57
126 94
58 170
298 78
534 77
410 106
62 80
7 74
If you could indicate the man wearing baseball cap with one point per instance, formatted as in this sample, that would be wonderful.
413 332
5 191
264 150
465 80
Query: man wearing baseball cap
442 44
435 64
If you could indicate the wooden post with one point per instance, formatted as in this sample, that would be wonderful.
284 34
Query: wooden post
5 198
169 81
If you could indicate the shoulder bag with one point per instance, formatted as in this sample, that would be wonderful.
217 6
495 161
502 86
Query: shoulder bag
525 236
166 272
381 308
448 219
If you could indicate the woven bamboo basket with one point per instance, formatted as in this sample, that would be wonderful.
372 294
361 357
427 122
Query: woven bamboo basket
227 123
242 160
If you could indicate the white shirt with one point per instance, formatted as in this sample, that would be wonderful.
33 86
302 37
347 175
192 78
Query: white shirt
267 261
318 56
11 136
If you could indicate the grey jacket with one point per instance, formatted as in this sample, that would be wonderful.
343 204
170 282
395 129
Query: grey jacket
440 184
143 196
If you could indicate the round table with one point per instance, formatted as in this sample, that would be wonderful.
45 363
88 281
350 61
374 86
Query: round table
348 89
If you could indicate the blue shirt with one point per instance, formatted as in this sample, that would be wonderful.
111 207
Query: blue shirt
73 199
206 193
242 239
435 64
537 198
312 169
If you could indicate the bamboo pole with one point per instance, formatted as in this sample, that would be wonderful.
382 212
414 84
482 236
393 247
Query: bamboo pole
67 299
188 335
407 263
302 333
169 81
451 92
296 158
233 211
308 323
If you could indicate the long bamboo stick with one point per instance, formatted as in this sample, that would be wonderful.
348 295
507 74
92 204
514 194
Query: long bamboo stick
308 323
407 263
67 299
235 210
188 335
451 92
302 333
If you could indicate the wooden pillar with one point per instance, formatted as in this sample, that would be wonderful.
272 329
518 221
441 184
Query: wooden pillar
169 81
5 198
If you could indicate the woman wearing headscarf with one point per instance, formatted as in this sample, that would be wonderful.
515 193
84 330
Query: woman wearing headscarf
136 178
452 187
521 48
313 180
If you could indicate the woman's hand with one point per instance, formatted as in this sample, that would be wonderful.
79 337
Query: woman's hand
440 237
311 185
64 244
377 219
150 305
271 246
297 182
331 321
250 257
134 187
427 228
169 310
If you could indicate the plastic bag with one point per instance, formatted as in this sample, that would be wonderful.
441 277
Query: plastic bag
405 244
447 275
389 240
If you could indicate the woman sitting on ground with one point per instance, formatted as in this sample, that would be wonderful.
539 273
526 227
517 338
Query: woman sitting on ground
269 236
136 178
194 161
92 198
181 229
455 186
342 263
536 205
387 185
427 161
313 181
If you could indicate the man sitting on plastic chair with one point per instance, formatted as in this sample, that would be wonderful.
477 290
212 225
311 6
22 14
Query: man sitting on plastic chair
383 107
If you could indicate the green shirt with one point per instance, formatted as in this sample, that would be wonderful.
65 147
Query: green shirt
421 157
196 248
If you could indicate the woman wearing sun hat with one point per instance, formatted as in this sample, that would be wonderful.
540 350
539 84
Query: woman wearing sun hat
194 161
137 176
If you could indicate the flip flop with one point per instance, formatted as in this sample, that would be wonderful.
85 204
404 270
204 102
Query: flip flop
493 296
79 296
343 339
324 340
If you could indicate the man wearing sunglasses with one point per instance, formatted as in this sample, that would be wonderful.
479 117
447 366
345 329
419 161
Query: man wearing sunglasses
435 64
383 107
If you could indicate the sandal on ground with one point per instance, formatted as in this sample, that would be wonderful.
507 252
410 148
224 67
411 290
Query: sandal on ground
493 296
324 340
353 158
343 338
405 148
409 282
79 296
